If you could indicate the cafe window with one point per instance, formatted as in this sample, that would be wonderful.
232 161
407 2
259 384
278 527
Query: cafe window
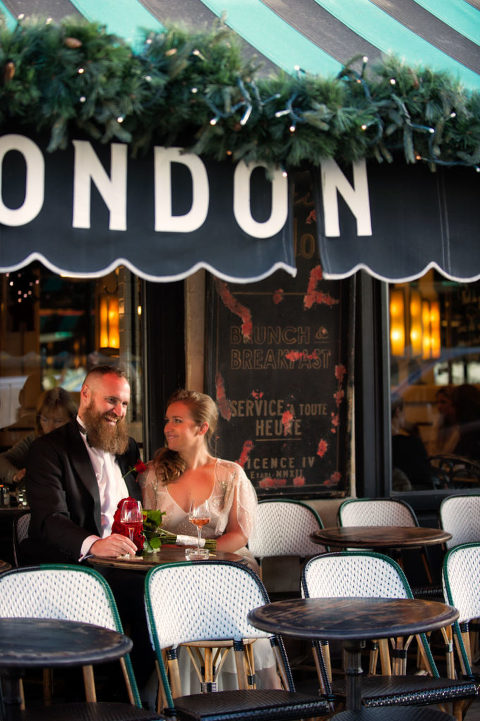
53 328
435 384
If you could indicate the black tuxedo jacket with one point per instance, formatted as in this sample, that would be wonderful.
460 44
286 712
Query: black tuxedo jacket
63 496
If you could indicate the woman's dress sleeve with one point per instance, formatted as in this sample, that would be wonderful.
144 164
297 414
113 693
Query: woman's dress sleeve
232 476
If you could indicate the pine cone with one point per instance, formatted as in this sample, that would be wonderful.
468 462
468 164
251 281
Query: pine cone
72 43
9 71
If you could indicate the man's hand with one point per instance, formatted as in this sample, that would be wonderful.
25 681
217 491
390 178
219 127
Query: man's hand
19 475
113 546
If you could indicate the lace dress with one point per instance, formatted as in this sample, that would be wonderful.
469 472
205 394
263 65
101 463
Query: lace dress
229 478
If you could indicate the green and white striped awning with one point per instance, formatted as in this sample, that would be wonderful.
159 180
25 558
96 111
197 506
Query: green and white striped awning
321 37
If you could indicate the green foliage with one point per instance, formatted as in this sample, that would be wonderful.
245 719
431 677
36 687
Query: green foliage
197 91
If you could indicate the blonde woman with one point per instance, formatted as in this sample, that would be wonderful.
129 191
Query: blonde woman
187 470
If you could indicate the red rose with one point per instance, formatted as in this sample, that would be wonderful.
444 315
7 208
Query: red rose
139 467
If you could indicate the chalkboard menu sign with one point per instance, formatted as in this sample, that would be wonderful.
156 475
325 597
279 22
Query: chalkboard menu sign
279 364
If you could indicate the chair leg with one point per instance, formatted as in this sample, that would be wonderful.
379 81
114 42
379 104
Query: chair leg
47 675
161 696
239 654
174 673
447 634
22 695
89 682
250 660
127 681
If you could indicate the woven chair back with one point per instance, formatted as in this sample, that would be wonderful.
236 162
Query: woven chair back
376 512
354 573
460 516
68 592
202 601
283 528
20 532
461 580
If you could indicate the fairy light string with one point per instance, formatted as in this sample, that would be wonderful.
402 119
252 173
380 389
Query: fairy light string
195 89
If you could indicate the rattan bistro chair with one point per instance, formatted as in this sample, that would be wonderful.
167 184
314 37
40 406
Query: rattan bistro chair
210 600
461 582
460 516
369 574
283 528
386 512
376 512
21 525
74 593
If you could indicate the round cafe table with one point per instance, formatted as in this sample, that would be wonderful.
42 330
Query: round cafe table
165 554
49 643
380 537
383 538
353 620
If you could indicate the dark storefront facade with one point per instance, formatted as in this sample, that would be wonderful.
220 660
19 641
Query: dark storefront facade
303 302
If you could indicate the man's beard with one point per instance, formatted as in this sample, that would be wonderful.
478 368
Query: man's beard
102 435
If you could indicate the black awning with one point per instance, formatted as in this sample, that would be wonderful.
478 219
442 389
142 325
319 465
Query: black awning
87 209
397 221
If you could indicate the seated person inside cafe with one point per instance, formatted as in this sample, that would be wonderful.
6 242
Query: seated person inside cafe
185 470
54 408
76 475
411 467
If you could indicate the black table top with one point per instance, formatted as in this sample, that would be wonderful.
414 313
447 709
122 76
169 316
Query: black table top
352 618
380 536
38 642
394 713
166 554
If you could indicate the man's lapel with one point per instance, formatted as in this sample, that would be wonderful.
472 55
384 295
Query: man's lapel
83 468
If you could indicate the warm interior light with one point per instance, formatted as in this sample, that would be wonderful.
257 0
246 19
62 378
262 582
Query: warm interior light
103 322
426 338
109 322
397 322
415 322
435 328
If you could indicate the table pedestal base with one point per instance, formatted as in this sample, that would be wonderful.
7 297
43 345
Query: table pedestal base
394 713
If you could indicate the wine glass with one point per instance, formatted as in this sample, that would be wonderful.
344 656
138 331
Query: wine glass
199 515
132 517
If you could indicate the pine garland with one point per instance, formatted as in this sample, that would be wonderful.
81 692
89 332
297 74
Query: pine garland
196 90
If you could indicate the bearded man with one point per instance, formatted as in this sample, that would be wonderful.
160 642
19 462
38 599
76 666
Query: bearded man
75 478
77 474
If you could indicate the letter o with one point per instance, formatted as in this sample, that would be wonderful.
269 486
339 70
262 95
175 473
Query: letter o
241 201
34 180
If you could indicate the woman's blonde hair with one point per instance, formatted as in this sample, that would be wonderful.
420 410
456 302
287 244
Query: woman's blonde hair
169 465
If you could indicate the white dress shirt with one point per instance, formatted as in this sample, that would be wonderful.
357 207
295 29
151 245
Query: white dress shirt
111 487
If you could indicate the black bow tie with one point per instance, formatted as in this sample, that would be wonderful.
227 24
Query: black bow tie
83 431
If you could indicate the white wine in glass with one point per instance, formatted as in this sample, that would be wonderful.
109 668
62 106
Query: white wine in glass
199 515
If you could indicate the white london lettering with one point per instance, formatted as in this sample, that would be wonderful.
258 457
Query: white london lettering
356 197
34 180
113 188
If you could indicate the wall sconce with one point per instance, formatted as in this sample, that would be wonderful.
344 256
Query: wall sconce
415 322
421 324
397 322
431 329
109 322
426 336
